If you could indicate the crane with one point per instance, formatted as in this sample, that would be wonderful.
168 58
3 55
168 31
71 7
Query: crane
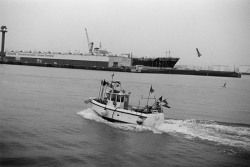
90 44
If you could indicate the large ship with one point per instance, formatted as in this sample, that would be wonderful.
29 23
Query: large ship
97 57
159 62
68 59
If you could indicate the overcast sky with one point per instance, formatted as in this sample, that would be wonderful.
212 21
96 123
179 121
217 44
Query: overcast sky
219 28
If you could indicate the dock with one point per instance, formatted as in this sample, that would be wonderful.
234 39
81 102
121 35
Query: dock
143 71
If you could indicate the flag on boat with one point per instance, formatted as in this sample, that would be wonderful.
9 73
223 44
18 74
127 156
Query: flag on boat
151 90
104 83
165 105
160 99
165 101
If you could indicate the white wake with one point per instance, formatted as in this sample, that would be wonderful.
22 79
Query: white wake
191 129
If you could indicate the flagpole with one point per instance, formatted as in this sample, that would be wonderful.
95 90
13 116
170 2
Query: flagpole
112 76
112 82
148 98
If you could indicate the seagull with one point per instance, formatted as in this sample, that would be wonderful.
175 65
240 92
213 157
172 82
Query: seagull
224 86
198 52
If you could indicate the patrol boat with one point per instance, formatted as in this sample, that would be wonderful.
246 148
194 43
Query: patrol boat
113 105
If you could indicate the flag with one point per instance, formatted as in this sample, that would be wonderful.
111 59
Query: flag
151 89
165 101
160 99
165 105
104 83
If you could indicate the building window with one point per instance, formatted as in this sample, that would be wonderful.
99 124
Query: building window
115 64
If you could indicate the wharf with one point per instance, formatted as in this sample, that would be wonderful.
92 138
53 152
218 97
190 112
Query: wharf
194 72
127 69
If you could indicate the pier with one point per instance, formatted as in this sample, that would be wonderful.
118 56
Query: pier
143 71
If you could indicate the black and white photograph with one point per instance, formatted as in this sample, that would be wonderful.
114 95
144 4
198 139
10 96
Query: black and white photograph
125 83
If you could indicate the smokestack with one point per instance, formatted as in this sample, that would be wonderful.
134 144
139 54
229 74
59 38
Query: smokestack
3 30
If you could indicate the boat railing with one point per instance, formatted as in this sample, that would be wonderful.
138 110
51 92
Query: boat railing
143 98
146 109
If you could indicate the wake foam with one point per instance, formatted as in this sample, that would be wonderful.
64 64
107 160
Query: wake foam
208 130
225 134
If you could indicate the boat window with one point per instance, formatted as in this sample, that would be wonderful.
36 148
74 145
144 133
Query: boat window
122 98
108 96
126 98
118 98
113 97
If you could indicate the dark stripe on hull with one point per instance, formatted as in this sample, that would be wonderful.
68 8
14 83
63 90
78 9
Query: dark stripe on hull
113 120
110 119
158 62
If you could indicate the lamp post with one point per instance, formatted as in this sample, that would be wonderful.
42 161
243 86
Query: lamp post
3 30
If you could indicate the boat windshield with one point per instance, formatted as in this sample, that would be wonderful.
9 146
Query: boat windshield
113 97
120 98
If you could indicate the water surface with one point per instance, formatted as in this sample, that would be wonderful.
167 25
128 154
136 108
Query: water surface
44 121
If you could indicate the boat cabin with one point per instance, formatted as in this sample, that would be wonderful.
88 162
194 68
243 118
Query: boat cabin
117 99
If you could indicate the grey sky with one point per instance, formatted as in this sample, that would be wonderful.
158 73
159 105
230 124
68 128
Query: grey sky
219 28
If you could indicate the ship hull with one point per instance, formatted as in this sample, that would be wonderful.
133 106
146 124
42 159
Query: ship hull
68 59
168 62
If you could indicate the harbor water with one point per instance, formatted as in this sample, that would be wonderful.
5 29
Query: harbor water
45 122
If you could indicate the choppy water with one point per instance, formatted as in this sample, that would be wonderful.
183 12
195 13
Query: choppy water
44 121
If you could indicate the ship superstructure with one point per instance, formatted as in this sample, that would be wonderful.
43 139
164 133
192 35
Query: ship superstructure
75 59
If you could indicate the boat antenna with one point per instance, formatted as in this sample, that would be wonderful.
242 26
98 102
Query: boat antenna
112 76
112 81
140 101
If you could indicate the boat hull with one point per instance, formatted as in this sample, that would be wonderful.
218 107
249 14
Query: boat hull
163 62
127 116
